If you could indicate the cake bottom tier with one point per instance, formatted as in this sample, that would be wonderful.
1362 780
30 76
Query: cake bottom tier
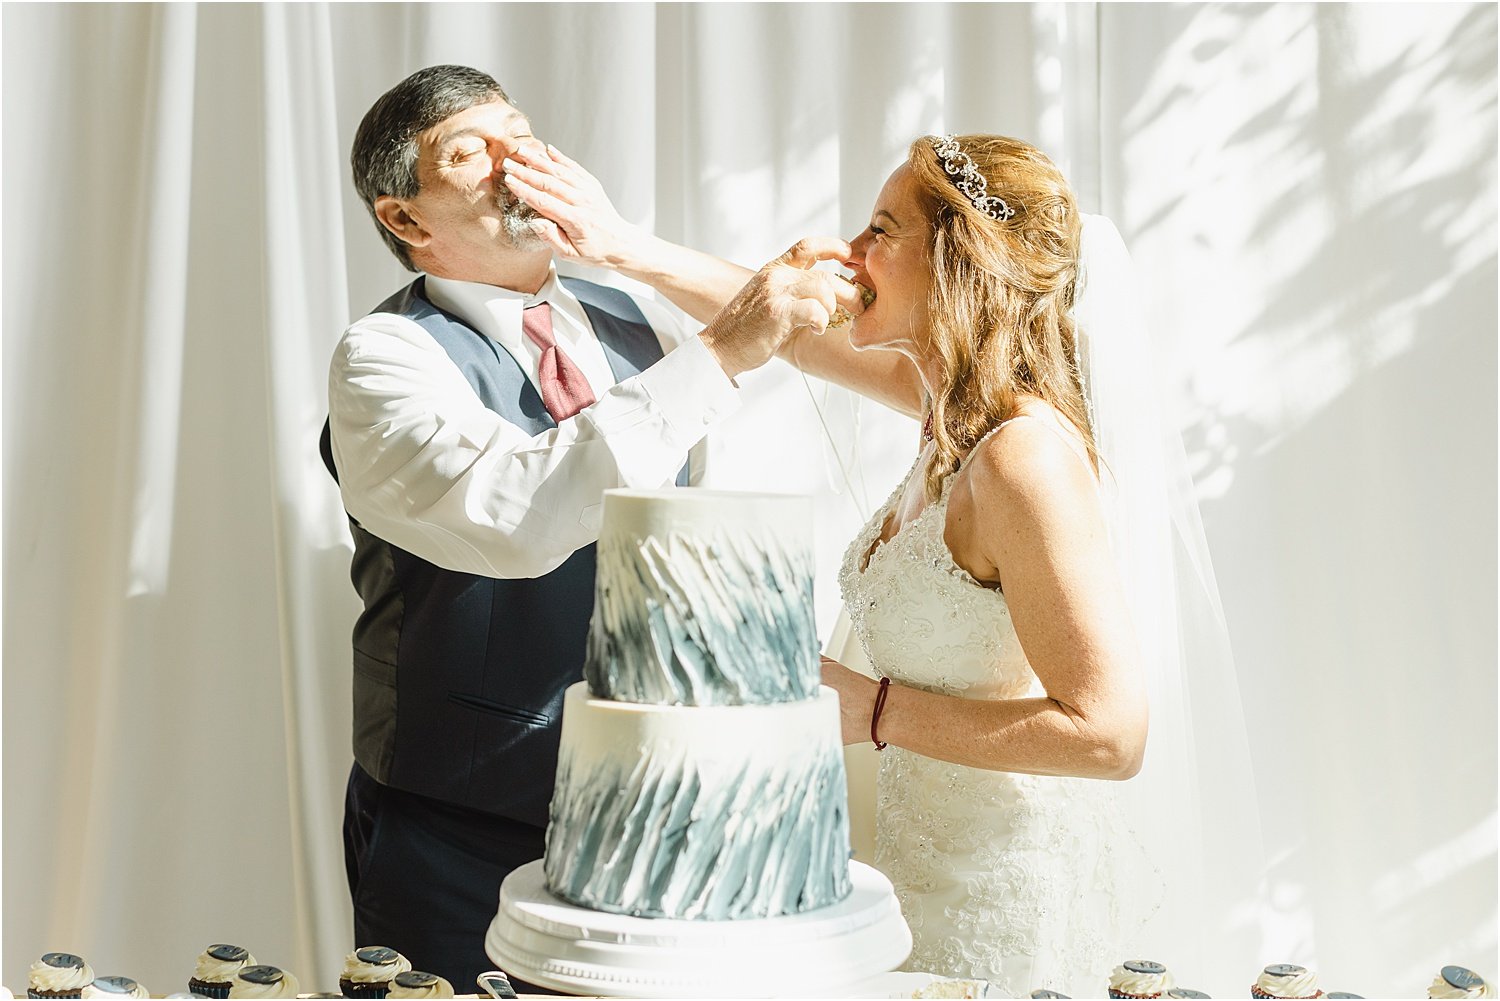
829 952
713 813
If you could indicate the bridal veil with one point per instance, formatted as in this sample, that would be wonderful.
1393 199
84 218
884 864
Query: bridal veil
1194 801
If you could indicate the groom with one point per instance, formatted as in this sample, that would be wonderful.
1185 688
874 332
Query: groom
475 419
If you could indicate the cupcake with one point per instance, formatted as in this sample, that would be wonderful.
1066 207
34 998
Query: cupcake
216 970
1184 992
115 987
263 982
1457 982
368 972
58 975
1285 980
416 984
952 987
1044 993
1139 978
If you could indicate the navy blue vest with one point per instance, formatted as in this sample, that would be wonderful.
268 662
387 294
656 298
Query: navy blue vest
459 679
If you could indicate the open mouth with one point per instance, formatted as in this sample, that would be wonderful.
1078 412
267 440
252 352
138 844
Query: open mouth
841 316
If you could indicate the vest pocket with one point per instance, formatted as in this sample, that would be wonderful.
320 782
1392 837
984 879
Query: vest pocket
499 709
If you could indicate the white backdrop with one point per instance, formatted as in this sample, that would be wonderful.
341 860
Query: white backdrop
1309 191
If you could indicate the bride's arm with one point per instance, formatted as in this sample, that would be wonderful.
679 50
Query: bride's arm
1042 527
886 376
581 224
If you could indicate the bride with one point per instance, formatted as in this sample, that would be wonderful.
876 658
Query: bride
989 591
984 591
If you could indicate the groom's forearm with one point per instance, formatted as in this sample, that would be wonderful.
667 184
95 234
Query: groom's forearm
697 283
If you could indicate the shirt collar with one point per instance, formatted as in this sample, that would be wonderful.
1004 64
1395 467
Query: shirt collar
496 311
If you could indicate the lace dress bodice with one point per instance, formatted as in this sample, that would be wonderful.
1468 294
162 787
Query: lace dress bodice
923 620
1026 881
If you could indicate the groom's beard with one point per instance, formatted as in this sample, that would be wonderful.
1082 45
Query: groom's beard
518 220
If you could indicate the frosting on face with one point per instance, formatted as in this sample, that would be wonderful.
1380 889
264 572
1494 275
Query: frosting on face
60 971
218 964
415 984
1285 980
263 982
374 965
1140 976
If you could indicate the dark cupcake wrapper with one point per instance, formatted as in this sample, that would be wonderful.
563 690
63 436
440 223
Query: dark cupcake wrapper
34 993
209 988
1256 992
354 989
1121 994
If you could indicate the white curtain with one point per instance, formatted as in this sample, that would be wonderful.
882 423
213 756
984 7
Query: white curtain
1309 192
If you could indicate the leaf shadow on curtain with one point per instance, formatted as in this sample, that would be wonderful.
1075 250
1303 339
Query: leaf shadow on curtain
1357 334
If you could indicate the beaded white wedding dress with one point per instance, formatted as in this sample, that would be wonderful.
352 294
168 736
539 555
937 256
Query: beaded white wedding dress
1025 881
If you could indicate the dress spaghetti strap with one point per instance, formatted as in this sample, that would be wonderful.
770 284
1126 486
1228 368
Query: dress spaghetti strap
1048 421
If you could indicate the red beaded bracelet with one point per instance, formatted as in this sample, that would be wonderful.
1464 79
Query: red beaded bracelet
885 686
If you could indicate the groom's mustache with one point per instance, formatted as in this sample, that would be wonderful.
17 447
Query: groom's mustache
516 217
507 202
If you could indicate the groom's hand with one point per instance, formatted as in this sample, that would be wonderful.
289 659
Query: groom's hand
578 219
780 299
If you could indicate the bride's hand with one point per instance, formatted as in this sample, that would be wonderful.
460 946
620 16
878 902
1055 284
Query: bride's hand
578 219
856 699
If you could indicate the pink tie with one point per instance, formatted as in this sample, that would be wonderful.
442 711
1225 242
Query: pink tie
565 391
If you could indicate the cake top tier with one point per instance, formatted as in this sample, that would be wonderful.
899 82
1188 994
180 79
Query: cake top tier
703 597
690 509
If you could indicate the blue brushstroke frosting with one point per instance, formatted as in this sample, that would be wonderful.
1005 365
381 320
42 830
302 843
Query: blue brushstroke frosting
692 813
703 598
704 778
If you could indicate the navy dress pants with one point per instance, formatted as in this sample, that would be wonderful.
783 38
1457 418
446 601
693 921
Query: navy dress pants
425 877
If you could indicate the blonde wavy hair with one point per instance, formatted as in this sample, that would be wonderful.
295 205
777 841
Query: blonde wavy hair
1001 301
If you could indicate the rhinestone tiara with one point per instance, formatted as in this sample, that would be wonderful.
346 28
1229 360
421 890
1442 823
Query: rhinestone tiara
967 179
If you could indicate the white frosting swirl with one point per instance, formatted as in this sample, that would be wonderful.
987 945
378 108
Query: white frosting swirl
1294 985
46 977
1442 989
360 972
439 988
217 971
93 990
1129 982
286 988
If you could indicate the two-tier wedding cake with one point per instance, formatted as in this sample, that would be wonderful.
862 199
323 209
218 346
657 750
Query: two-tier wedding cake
699 837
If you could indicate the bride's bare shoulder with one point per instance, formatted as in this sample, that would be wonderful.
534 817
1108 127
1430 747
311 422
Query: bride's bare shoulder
1035 463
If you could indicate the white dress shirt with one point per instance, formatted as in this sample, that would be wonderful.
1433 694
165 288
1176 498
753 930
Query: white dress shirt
424 465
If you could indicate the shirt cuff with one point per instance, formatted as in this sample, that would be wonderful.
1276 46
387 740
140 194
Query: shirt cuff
690 388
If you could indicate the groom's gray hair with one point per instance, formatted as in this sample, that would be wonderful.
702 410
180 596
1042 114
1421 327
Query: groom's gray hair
384 157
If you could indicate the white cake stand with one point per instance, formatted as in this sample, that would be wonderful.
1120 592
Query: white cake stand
554 944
